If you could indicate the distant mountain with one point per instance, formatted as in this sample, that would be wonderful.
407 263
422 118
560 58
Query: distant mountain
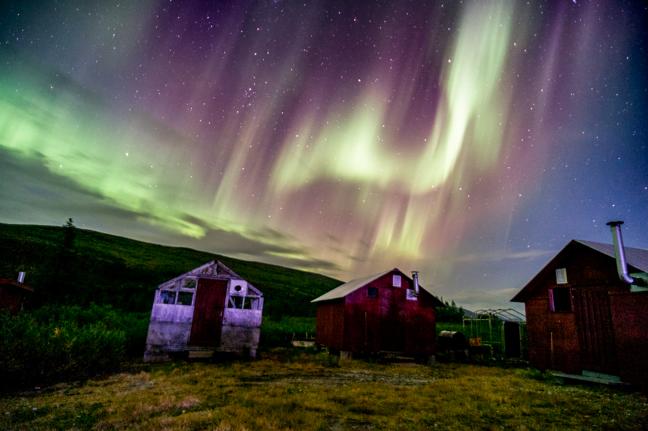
108 269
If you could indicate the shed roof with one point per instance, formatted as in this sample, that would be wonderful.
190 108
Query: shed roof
15 284
344 289
212 269
636 258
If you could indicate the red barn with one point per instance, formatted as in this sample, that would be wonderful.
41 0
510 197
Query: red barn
582 319
383 312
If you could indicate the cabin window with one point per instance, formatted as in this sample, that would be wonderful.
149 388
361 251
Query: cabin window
560 299
372 292
396 280
185 298
561 276
167 297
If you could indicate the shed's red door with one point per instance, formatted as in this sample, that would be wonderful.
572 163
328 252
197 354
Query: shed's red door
208 312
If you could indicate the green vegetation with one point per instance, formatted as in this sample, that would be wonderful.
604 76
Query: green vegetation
449 313
67 342
93 294
107 269
283 391
280 333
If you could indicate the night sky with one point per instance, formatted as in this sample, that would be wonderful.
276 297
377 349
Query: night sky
468 140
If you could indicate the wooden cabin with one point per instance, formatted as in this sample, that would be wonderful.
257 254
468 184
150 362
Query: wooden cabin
14 294
208 309
583 320
386 312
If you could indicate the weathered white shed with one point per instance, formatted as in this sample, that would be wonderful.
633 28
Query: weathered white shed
208 309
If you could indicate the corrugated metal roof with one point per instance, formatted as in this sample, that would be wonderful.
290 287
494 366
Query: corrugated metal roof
344 289
636 257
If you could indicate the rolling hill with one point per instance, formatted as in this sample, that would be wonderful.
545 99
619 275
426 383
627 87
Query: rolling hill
108 269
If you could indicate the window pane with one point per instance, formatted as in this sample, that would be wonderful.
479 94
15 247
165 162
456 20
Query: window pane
396 280
167 297
185 298
411 295
372 292
189 283
561 299
561 276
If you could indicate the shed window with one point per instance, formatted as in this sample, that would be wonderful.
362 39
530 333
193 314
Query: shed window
167 297
561 276
411 295
189 283
396 280
560 299
185 298
372 292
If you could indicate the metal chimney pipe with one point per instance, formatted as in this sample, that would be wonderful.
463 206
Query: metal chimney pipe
21 277
416 281
619 253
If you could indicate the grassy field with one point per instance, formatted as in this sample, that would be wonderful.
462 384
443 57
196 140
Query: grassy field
308 391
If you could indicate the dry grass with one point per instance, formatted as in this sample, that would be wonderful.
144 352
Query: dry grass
307 393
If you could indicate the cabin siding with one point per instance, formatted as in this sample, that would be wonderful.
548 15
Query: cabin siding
630 322
553 339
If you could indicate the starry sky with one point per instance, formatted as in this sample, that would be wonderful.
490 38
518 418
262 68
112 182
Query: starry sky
467 140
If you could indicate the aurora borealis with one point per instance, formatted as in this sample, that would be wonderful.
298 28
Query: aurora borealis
468 140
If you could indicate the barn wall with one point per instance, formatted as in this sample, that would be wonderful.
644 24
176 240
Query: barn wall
330 324
630 320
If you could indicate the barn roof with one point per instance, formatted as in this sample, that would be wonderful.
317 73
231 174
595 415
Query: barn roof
353 285
636 258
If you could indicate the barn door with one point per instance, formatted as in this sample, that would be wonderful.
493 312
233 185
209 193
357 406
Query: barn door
208 313
595 334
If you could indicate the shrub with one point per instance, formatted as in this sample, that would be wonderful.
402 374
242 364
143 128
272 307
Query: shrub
57 343
280 333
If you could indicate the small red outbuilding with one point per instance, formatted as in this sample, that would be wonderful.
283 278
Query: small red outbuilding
582 319
14 295
386 312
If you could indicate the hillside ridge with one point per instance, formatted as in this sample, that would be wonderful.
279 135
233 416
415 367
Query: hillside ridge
123 272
